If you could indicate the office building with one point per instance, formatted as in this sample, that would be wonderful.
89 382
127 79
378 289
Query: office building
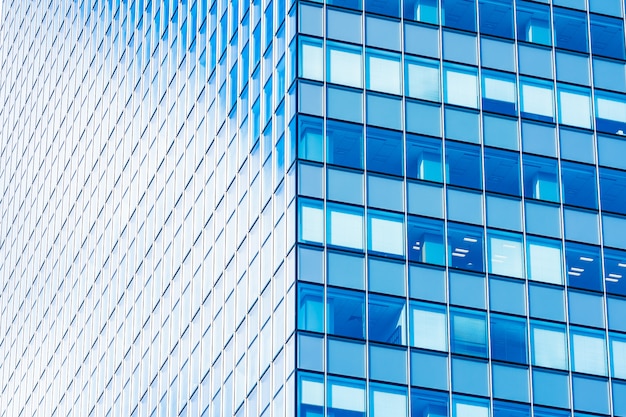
290 208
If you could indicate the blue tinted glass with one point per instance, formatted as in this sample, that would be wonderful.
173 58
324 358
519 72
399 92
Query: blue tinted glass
346 357
427 283
546 302
345 397
346 270
585 308
429 403
311 308
504 409
510 383
613 190
614 271
508 339
311 352
386 276
496 18
426 11
468 332
467 290
507 296
387 320
385 151
504 213
470 376
500 132
551 388
568 33
546 412
607 36
311 139
423 118
619 398
384 111
502 172
584 266
344 144
461 125
348 4
344 104
533 23
579 184
465 206
459 47
387 364
345 313
590 394
459 14
541 178
429 369
538 139
423 158
390 8
463 165
425 240
465 247
309 405
543 219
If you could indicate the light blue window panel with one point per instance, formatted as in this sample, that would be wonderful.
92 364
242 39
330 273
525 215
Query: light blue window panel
310 264
539 139
311 221
388 401
465 206
610 7
382 33
581 226
344 65
609 75
345 186
469 407
385 193
465 247
533 23
537 100
421 40
311 19
577 145
421 77
311 352
460 86
541 179
343 25
344 226
427 283
310 394
586 308
428 326
549 345
429 369
572 68
610 151
345 313
546 302
310 182
387 277
614 271
423 118
346 357
588 349
504 213
505 254
574 107
507 296
311 63
614 231
499 93
425 240
383 72
610 113
618 356
544 260
551 388
429 403
467 290
590 394
346 270
462 125
422 10
535 60
424 158
468 333
543 219
311 308
418 192
314 98
345 396
459 47
470 376
345 104
619 398
510 382
384 111
500 132
385 233
497 54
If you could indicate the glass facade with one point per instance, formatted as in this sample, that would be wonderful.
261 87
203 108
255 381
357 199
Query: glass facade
292 208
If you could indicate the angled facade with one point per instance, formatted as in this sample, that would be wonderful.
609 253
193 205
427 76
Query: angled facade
400 208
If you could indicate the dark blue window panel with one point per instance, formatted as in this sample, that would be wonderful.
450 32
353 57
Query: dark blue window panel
345 313
613 190
607 36
505 409
463 165
348 4
310 137
459 14
541 178
570 29
387 8
387 319
429 403
548 412
533 23
468 333
426 11
615 272
502 172
584 266
465 247
425 241
344 144
385 151
496 18
508 339
579 185
423 158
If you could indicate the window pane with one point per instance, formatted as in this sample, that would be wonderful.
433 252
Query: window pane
346 396
311 308
465 247
345 313
386 233
508 339
387 320
588 352
506 255
425 241
383 73
311 221
459 14
311 60
461 87
428 327
575 108
618 357
423 158
387 401
537 101
499 93
468 333
385 151
344 144
496 18
544 260
422 79
533 23
549 346
344 65
344 226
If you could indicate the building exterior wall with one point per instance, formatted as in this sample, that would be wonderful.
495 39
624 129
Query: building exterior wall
277 208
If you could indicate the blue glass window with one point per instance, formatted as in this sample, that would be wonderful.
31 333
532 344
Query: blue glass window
506 255
348 4
614 270
346 357
508 339
459 14
311 308
385 233
425 240
389 8
504 409
421 77
584 268
499 93
537 100
533 23
310 395
344 64
468 333
429 403
463 165
344 144
423 158
574 107
549 345
344 226
346 397
387 364
544 260
385 151
311 224
613 190
607 36
465 247
541 178
469 407
507 296
588 351
502 172
618 355
610 113
386 276
568 29
345 269
460 86
428 326
382 72
387 320
426 11
345 313
579 184
470 376
310 138
496 18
